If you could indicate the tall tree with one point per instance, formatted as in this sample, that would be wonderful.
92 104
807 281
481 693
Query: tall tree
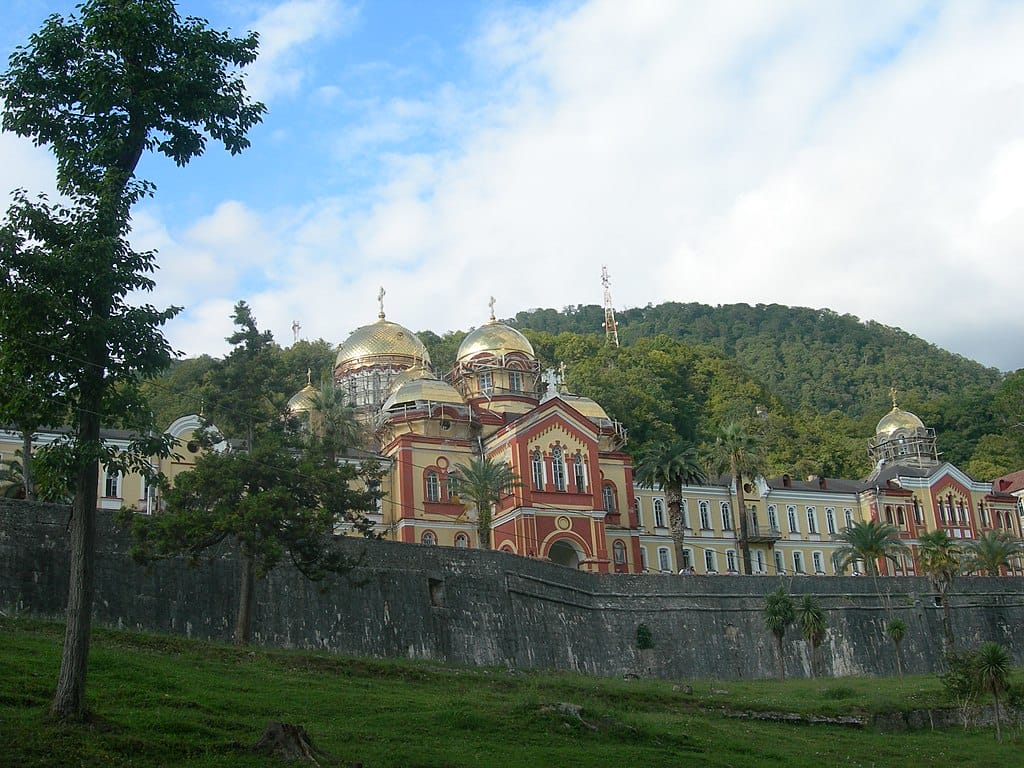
100 89
991 551
779 613
669 466
484 481
813 624
896 629
939 559
992 665
739 453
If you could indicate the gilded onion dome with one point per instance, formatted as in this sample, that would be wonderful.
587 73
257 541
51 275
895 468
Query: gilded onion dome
585 406
494 338
897 419
302 401
423 389
382 340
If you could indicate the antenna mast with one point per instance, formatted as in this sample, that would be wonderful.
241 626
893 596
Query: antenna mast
611 328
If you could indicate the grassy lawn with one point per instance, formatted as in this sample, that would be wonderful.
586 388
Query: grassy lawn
159 700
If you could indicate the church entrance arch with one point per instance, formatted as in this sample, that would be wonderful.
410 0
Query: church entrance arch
565 552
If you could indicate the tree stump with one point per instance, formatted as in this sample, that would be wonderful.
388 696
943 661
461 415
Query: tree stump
289 742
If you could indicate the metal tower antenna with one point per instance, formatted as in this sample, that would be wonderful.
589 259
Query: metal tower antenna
611 328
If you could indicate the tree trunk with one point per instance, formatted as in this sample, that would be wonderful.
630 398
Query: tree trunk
288 742
899 662
782 659
947 622
246 590
26 465
675 517
69 699
999 731
744 526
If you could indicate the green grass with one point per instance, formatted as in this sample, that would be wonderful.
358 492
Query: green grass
160 700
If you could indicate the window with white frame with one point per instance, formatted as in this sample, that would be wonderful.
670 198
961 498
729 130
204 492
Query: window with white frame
664 559
710 561
112 485
791 514
643 558
486 383
659 513
579 474
639 511
848 517
684 512
461 541
557 469
433 486
730 560
619 552
759 561
429 538
608 492
773 517
819 562
687 559
705 514
515 381
812 520
726 515
830 519
798 562
780 565
537 470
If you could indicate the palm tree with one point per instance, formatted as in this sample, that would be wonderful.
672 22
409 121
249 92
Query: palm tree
779 613
939 560
991 551
897 630
868 541
812 622
739 453
332 420
484 481
669 466
992 664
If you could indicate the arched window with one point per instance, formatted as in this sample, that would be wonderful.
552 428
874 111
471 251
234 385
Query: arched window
461 541
557 469
726 516
830 519
659 513
429 538
791 514
608 491
537 467
619 552
812 520
773 517
579 476
705 514
639 511
433 486
848 516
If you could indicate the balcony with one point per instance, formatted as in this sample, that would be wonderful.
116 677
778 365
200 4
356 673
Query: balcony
763 534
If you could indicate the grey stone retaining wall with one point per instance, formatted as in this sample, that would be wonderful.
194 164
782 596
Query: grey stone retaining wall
472 607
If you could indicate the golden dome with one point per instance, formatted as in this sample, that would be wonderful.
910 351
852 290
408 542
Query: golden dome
424 388
585 406
382 339
302 401
896 419
418 371
495 338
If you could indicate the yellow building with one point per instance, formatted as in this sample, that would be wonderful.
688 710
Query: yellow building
577 503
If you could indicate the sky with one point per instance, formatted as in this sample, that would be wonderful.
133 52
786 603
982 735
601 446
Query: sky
866 157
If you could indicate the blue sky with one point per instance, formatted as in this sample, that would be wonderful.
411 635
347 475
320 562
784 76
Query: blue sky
867 157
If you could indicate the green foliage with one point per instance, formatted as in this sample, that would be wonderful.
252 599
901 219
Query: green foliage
991 551
779 614
811 620
644 640
669 466
868 541
484 481
896 630
972 674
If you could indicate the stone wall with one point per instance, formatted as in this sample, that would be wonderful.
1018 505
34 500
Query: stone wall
473 607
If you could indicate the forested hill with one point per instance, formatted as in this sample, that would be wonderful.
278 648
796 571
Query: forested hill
813 359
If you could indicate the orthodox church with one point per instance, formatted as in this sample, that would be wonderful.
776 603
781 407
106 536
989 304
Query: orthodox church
576 502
